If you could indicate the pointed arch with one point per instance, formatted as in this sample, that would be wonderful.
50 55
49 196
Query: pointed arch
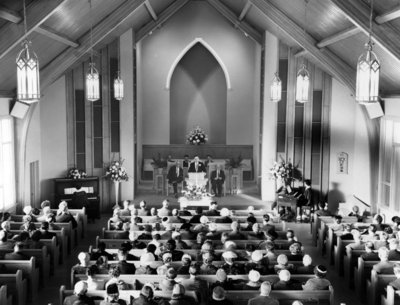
186 49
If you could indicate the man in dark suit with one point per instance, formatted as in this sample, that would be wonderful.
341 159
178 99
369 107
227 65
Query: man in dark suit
175 176
217 180
264 298
124 266
197 166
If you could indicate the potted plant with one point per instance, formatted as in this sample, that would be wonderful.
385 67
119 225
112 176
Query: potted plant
234 164
159 163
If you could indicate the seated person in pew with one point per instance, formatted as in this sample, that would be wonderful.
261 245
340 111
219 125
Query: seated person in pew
134 224
394 254
35 242
167 260
143 210
146 233
346 234
165 210
193 283
296 252
93 284
383 240
16 255
63 215
80 290
225 282
337 224
319 282
254 281
370 234
116 218
291 238
167 284
396 283
357 244
44 230
323 209
282 264
170 246
126 208
270 253
369 254
384 266
176 218
249 248
127 246
81 267
156 242
377 220
264 298
395 223
178 296
154 216
268 228
112 297
115 274
200 238
219 297
101 251
102 265
213 209
256 233
235 234
258 263
5 244
307 268
207 266
152 249
186 262
251 220
285 282
225 213
230 266
6 227
146 296
28 224
27 210
355 212
184 211
196 218
124 266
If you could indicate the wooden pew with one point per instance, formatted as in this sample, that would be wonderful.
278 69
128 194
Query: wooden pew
29 272
4 298
54 252
376 286
339 252
16 286
42 259
350 265
123 294
392 296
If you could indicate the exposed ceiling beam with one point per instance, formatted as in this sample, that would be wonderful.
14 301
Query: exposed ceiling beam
37 12
56 36
388 16
245 10
242 25
384 35
338 36
7 93
150 10
67 58
162 18
301 53
9 15
323 57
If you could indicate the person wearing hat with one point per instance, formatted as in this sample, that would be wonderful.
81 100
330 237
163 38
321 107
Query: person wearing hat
264 298
203 225
296 253
178 296
80 290
63 215
124 266
206 247
285 282
307 267
115 273
207 267
254 281
258 263
218 297
225 213
186 262
147 264
230 266
213 209
133 243
167 284
212 231
166 258
112 296
319 282
235 234
84 259
369 254
225 282
165 210
125 211
256 233
283 263
146 296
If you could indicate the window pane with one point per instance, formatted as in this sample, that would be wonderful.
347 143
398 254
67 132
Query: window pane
396 174
396 132
7 166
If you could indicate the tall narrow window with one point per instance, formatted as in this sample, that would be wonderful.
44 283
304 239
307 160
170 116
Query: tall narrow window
7 165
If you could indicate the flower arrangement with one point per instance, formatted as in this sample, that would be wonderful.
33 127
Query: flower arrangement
75 173
195 192
159 162
116 172
284 171
234 163
196 136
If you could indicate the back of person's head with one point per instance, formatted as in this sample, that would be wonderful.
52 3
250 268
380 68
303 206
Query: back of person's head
307 182
122 253
36 235
251 220
284 275
383 253
186 259
269 245
147 292
307 260
112 291
194 269
83 257
80 288
218 293
170 245
224 237
289 233
265 288
44 226
175 212
151 248
297 303
250 248
199 210
153 211
369 246
320 271
254 276
114 271
338 218
378 219
171 273
92 270
282 259
24 236
224 212
266 217
295 248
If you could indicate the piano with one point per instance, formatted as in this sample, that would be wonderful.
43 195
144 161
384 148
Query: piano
65 187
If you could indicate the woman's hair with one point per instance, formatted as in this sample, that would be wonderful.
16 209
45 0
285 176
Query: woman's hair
114 271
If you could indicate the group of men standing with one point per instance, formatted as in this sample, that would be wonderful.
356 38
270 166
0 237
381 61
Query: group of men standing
217 177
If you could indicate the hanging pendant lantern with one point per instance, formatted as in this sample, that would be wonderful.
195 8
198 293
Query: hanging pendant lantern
92 83
28 82
118 87
276 89
302 85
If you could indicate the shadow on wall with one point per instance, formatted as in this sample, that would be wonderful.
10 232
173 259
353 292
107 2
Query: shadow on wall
334 197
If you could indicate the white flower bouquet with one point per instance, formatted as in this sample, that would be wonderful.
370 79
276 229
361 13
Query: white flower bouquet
196 136
116 172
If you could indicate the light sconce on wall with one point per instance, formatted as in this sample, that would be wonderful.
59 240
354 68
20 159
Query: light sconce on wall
302 85
118 83
276 89
92 75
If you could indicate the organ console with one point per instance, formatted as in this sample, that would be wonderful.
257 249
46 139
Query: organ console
64 189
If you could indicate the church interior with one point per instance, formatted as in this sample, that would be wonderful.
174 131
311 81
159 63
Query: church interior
291 107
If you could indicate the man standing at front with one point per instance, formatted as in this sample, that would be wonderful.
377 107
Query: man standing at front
197 166
217 180
175 176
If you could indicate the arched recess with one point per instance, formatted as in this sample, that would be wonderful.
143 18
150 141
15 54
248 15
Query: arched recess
185 50
198 96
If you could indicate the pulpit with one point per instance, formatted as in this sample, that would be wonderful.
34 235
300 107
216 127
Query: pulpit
197 179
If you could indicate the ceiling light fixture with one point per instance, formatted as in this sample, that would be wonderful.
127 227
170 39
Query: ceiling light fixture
92 76
303 76
276 89
28 81
118 83
368 68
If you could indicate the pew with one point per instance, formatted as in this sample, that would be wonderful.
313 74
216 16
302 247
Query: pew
339 252
4 298
392 297
123 294
376 286
349 265
29 272
42 259
316 224
16 286
54 251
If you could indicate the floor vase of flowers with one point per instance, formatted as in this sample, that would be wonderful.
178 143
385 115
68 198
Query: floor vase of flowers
116 173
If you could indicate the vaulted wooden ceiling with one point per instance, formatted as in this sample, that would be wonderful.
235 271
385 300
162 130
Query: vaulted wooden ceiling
331 33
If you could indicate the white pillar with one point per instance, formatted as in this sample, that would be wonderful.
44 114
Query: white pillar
269 128
127 127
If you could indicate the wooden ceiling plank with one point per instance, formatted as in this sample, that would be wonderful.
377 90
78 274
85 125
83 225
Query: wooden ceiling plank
388 16
46 31
162 18
37 12
338 36
245 10
10 15
301 53
323 57
243 26
385 35
150 10
66 59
